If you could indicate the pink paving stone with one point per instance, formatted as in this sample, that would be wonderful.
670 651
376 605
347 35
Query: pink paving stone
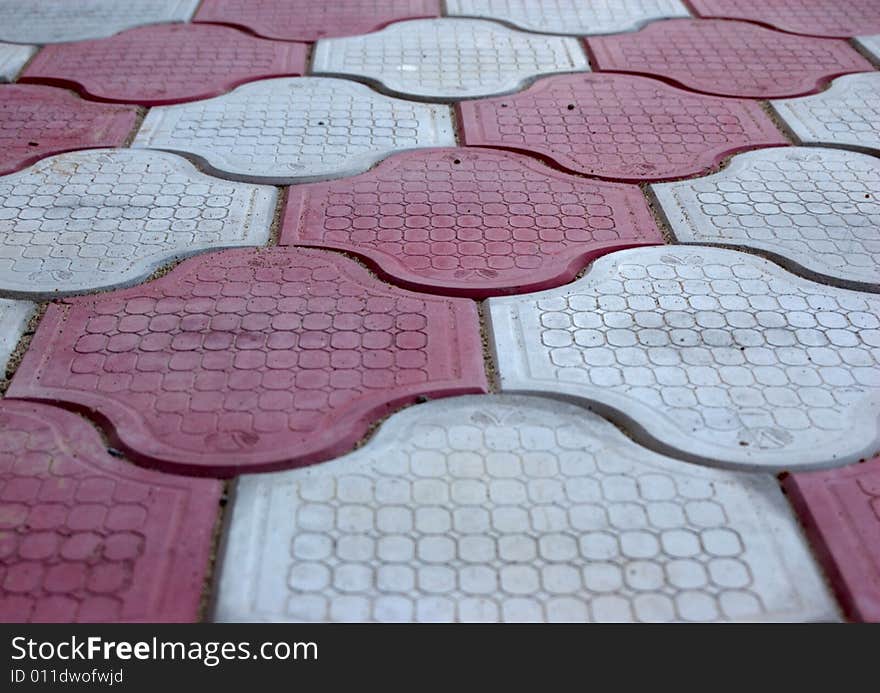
622 127
840 510
250 360
86 537
470 222
167 64
36 121
728 58
307 20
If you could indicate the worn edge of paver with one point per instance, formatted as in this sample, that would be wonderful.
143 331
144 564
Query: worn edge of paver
14 318
13 57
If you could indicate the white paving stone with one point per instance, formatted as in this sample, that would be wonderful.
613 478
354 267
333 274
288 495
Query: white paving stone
13 57
448 58
816 210
14 316
571 16
705 353
870 44
55 21
296 129
108 217
504 508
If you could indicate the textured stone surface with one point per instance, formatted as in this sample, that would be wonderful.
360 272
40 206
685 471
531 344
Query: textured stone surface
618 126
106 218
36 121
719 356
815 209
166 64
448 58
56 21
288 130
513 509
14 316
307 20
871 44
847 114
86 537
571 16
469 222
251 359
12 58
728 58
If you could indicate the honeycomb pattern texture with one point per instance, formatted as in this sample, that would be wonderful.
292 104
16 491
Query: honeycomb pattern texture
106 218
448 58
89 538
621 127
814 208
871 44
306 20
12 58
165 64
37 121
728 58
14 316
719 356
571 16
251 359
294 130
57 21
513 509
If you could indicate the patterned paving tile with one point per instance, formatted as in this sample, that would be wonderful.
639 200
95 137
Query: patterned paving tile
871 44
294 130
12 58
249 360
166 64
571 16
14 316
709 354
470 222
513 509
622 127
86 537
306 20
841 512
107 218
56 21
36 121
448 58
728 58
815 210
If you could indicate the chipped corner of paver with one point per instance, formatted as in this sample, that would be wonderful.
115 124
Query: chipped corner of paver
14 317
13 57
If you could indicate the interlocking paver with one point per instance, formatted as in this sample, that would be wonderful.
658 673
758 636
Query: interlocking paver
307 20
728 58
622 127
298 129
13 57
717 355
14 316
56 21
571 16
841 512
871 44
251 359
86 537
108 218
36 121
470 222
513 509
166 64
448 58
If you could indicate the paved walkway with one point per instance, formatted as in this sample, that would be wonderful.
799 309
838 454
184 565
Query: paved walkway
408 310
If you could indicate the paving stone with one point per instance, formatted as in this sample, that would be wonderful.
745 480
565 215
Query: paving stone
448 58
708 354
470 222
108 218
249 360
166 64
618 126
816 211
871 44
306 20
294 130
12 58
57 21
14 316
841 512
508 508
728 58
36 121
86 537
571 16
